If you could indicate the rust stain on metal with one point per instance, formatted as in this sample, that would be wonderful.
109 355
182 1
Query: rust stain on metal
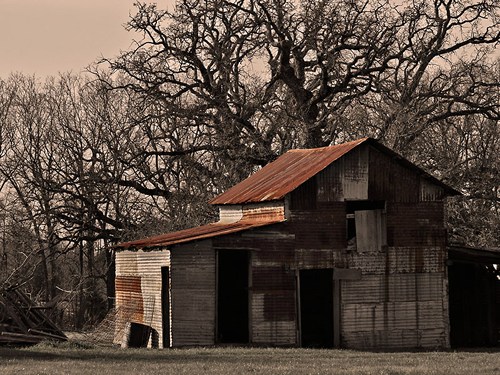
129 299
202 232
284 174
295 167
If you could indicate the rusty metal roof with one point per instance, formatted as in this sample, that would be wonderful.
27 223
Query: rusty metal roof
285 174
295 167
197 233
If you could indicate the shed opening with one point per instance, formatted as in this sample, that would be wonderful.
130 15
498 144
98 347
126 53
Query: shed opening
316 308
232 296
474 297
138 335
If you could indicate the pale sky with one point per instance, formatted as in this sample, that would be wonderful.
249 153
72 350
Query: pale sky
45 37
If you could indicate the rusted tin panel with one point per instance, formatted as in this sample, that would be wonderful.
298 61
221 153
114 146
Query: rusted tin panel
199 233
265 211
285 174
193 294
138 289
129 304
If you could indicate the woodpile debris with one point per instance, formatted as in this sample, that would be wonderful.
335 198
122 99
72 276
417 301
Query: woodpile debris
24 323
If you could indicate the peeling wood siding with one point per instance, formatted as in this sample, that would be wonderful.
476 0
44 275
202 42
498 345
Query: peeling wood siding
138 290
193 294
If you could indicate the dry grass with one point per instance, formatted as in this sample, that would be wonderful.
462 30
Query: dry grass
77 359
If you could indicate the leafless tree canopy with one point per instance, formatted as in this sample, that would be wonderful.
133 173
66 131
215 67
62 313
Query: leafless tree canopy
212 91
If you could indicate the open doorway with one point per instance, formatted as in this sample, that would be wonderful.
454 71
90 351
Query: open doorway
474 296
316 308
232 296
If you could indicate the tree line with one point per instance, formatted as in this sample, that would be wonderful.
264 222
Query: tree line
212 91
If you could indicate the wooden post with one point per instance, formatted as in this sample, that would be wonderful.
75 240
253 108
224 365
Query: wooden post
299 314
336 313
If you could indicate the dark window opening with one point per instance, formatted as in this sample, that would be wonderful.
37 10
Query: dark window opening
316 308
351 231
365 225
232 297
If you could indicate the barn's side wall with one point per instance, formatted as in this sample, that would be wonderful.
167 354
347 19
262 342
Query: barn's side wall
138 290
193 294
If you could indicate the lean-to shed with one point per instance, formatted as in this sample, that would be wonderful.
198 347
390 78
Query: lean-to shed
341 246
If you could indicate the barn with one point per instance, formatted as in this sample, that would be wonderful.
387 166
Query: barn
340 246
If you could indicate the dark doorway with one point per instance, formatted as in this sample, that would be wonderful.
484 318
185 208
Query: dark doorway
316 308
232 297
474 297
165 305
138 335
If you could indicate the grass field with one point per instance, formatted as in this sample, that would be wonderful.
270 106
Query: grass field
76 359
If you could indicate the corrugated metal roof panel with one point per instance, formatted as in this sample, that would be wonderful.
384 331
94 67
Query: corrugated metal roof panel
197 233
284 174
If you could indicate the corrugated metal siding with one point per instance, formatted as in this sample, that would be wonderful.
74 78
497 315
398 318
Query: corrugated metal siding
138 290
410 224
355 174
391 181
323 228
430 191
273 304
398 260
273 326
193 294
400 301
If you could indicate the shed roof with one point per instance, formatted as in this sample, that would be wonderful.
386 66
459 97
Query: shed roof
197 233
295 167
